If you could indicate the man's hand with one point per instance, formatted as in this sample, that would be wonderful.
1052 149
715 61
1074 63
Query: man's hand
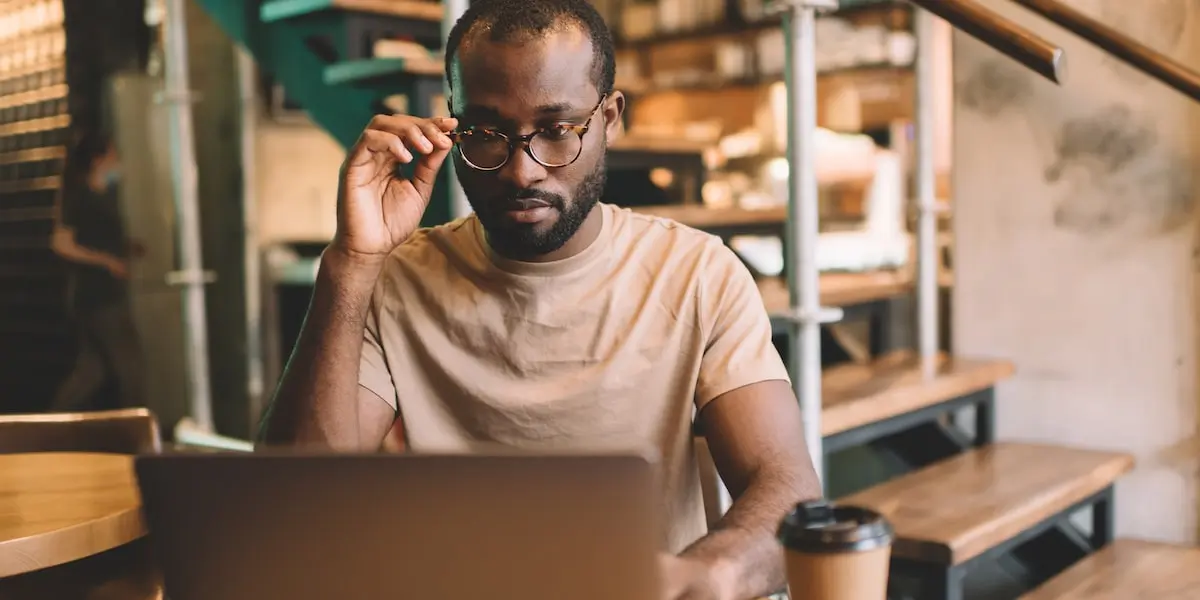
117 268
137 249
691 579
377 209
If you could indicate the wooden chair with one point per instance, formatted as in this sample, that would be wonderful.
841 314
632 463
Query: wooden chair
123 431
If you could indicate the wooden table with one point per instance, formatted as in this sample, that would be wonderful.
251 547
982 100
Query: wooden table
60 507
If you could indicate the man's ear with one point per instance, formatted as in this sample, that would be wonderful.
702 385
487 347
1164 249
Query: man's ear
614 111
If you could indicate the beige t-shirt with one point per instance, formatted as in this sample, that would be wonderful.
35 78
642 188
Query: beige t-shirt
618 345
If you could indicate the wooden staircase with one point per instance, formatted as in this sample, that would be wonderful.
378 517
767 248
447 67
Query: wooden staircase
1128 569
324 53
960 501
957 498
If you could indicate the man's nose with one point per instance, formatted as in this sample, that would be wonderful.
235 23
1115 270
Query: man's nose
522 171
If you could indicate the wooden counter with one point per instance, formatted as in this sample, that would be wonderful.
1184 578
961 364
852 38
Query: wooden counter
60 507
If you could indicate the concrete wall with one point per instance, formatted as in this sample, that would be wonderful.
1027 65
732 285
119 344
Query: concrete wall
297 177
1076 242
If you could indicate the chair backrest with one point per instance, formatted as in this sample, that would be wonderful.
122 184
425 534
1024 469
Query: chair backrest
123 431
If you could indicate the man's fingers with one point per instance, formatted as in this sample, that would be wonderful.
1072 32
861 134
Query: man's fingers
374 141
425 172
434 133
446 124
408 129
403 137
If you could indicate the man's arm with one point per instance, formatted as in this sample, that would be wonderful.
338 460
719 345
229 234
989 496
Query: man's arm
750 418
319 401
65 244
756 438
336 391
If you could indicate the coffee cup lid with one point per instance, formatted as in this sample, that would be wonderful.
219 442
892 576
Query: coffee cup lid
818 526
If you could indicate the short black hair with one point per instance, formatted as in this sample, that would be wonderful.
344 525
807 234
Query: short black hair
509 19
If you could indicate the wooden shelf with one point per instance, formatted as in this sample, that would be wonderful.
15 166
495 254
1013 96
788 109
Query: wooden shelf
734 27
30 185
885 95
35 125
701 217
871 70
26 214
33 155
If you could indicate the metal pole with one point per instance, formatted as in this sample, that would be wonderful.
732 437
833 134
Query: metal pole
255 378
804 339
926 200
459 207
191 275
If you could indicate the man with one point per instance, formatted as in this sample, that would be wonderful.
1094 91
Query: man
546 319
91 235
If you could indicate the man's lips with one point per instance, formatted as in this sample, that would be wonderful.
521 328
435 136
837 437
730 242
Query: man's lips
527 211
525 204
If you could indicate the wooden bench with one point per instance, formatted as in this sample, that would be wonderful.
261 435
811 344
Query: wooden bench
864 402
981 504
1128 569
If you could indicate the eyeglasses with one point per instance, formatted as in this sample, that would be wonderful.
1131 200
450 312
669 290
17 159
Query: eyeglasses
555 146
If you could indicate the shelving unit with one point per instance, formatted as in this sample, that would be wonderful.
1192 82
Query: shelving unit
711 73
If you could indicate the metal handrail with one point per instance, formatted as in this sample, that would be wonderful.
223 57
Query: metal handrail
1108 39
1047 59
1019 43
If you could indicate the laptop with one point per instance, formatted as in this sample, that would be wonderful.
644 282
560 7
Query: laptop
494 526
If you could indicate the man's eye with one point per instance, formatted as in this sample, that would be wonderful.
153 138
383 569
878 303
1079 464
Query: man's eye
559 132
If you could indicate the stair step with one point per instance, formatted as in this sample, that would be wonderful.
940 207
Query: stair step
959 508
895 384
839 289
1128 569
360 71
278 10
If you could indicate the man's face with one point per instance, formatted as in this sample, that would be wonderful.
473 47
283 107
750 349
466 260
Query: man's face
545 83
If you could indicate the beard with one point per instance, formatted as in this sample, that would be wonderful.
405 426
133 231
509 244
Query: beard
526 240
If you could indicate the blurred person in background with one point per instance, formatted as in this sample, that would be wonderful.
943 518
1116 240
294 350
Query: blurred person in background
91 236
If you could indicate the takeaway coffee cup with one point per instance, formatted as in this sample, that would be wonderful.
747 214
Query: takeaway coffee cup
836 552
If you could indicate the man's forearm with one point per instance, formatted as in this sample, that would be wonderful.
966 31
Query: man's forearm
742 550
66 247
316 402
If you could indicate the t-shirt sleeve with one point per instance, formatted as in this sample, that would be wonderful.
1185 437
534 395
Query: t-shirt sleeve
373 373
738 350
